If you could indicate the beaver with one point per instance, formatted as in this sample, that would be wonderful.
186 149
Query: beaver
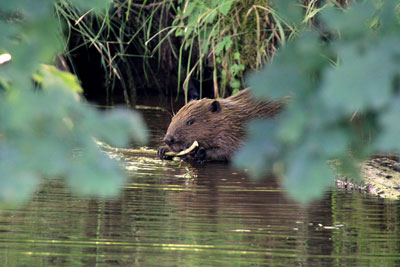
217 125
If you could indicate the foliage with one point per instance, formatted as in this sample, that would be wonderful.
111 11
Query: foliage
200 40
47 131
344 98
225 34
234 36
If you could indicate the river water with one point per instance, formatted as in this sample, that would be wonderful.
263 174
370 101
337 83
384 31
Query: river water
209 215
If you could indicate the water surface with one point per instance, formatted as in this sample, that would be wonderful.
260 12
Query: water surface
209 215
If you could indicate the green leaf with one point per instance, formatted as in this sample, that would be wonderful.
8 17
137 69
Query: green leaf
276 81
50 76
30 9
47 131
293 123
307 177
219 47
290 11
388 140
192 5
7 31
260 151
17 183
291 69
225 43
235 83
388 16
50 133
364 79
120 126
95 174
91 4
225 6
39 44
237 68
352 22
235 91
210 17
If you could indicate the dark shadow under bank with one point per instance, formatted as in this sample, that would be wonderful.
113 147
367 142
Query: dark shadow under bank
138 76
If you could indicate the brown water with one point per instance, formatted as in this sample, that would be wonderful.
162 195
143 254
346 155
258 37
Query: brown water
211 215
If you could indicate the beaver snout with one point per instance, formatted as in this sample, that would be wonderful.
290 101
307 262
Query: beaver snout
169 140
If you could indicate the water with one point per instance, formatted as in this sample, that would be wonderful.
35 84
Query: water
212 215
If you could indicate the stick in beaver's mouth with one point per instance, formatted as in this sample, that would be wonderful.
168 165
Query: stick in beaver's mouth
183 152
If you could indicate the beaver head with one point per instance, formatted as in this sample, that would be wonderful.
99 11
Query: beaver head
217 125
199 121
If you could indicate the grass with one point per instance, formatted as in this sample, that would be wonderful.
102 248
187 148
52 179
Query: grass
143 45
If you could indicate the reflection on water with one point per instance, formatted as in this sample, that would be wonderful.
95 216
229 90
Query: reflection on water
198 216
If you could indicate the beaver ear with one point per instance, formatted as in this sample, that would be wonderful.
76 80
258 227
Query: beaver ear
215 106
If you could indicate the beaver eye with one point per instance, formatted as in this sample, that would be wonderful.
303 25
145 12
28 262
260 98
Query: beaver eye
190 122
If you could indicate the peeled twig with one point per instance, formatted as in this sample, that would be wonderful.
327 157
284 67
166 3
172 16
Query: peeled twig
147 151
188 150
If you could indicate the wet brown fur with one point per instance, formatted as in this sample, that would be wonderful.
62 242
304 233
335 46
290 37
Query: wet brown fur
219 132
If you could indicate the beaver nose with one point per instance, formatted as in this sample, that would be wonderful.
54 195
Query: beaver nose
169 140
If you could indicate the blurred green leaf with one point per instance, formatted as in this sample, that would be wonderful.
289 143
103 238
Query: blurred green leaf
294 123
95 174
236 68
234 83
334 112
260 151
47 132
51 133
388 140
224 6
16 183
191 6
210 16
225 43
38 44
7 30
353 22
388 16
91 4
289 10
120 126
307 177
50 76
291 69
353 85
29 9
285 77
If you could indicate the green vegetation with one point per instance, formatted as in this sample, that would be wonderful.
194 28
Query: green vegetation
149 43
345 98
170 43
229 37
45 131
